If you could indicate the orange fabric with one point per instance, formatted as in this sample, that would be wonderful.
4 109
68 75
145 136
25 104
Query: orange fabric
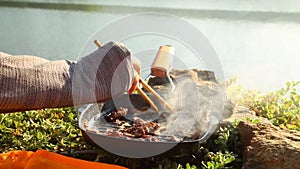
43 159
15 159
48 160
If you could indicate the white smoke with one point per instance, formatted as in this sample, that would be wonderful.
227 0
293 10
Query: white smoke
199 108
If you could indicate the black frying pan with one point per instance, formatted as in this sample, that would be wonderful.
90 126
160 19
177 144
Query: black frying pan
121 146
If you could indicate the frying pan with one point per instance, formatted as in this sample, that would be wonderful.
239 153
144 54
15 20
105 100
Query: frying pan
136 148
133 148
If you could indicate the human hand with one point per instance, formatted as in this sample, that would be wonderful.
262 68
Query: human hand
106 72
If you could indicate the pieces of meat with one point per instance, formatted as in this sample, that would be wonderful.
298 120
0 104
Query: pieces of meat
116 115
137 129
140 128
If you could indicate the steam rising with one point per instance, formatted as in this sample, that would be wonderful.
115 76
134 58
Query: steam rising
199 108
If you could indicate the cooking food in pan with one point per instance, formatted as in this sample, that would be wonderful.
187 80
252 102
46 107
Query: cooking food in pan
137 128
137 122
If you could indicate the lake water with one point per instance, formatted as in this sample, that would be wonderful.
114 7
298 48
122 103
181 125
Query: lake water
261 49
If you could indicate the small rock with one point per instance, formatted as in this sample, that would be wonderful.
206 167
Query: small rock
266 146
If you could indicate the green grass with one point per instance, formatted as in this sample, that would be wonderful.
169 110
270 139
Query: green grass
281 107
50 129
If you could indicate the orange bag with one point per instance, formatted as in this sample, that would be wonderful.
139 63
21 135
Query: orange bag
47 160
15 159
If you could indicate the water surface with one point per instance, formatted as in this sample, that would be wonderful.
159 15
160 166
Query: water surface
261 51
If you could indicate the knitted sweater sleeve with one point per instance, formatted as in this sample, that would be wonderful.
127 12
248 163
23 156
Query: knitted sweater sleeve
30 82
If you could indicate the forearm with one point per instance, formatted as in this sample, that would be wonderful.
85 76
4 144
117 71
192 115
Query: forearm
29 82
33 83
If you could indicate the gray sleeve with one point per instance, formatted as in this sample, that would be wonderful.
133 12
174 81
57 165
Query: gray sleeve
30 82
